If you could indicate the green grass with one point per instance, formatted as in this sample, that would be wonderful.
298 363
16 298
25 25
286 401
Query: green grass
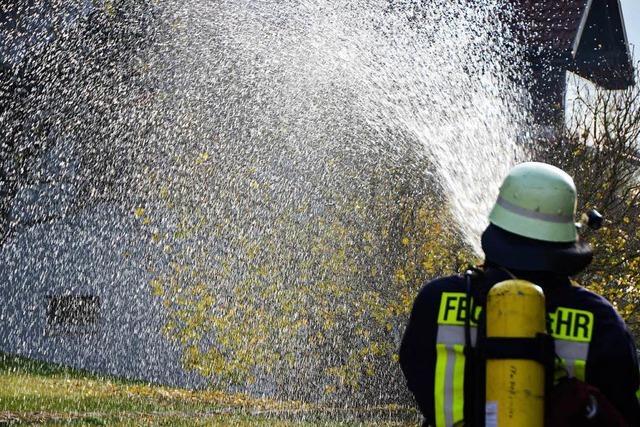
33 392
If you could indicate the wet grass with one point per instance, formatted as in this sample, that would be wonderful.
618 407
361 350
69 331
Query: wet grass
33 392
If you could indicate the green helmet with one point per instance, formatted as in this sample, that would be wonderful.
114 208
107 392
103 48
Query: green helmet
537 201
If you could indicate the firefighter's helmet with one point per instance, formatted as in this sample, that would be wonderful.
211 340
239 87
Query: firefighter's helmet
532 224
537 201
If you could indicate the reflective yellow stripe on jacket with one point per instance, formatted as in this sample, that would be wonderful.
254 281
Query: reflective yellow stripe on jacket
450 361
572 330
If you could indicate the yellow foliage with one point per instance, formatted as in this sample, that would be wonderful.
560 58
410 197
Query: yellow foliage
332 291
202 158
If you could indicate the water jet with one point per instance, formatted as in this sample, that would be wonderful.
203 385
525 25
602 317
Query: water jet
231 194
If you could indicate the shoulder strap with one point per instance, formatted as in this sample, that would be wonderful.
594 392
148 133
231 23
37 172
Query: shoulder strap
469 311
473 408
539 348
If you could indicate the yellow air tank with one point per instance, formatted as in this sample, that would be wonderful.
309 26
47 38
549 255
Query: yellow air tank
514 387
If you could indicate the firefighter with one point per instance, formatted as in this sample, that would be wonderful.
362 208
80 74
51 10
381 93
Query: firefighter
531 236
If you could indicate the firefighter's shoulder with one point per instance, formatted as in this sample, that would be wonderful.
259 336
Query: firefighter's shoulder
582 298
606 319
431 292
434 288
444 284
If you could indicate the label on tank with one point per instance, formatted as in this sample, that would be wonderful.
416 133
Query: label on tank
491 414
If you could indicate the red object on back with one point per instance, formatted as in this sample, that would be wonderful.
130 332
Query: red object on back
571 401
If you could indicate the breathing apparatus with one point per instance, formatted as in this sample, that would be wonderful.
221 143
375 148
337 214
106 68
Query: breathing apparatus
534 215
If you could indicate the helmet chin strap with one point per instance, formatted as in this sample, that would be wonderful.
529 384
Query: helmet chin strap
501 268
509 273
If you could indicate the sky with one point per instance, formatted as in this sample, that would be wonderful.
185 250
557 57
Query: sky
631 11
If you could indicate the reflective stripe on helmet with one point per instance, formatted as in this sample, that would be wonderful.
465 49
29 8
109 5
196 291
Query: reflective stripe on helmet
537 201
557 218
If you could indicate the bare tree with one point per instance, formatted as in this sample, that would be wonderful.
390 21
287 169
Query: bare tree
601 150
69 94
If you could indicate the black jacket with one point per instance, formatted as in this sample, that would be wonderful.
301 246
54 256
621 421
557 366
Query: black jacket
611 365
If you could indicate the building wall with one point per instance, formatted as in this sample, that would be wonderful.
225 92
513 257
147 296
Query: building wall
97 253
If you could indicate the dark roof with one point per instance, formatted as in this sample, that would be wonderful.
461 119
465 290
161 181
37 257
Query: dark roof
551 24
602 53
587 35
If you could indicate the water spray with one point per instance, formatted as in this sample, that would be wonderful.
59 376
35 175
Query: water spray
228 181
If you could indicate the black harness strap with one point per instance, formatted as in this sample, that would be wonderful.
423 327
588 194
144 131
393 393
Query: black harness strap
539 348
472 408
468 314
